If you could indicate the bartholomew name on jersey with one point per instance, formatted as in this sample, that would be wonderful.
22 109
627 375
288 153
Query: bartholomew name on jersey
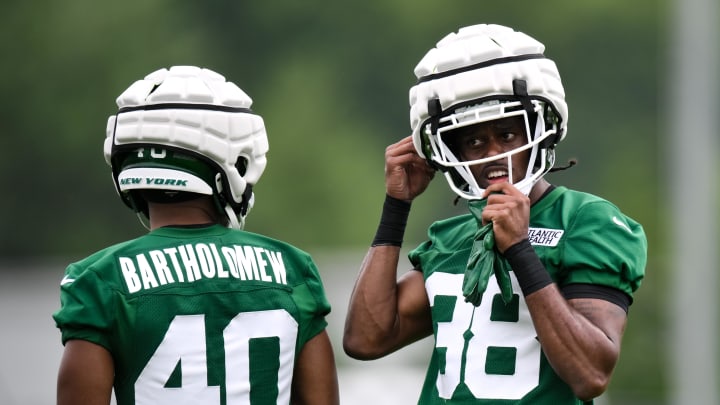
193 262
545 236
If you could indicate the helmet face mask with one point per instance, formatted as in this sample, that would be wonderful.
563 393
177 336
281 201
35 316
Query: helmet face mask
187 129
440 149
481 74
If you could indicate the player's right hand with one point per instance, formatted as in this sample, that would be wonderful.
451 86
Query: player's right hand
407 174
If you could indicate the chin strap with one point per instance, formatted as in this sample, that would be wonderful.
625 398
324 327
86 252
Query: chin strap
234 221
571 162
143 220
237 220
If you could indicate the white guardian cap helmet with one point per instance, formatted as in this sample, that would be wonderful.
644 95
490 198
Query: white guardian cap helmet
483 73
185 131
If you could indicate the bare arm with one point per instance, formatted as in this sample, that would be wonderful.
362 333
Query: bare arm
315 376
86 374
387 313
581 338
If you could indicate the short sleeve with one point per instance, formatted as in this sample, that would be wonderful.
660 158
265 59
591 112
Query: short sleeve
604 247
86 307
415 255
313 303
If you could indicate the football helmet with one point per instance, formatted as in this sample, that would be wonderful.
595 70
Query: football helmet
184 131
478 74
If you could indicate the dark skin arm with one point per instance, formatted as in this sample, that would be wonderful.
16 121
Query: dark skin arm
86 374
315 376
387 313
580 337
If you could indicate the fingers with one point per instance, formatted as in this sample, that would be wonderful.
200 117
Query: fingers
509 211
504 208
403 152
407 174
401 159
502 200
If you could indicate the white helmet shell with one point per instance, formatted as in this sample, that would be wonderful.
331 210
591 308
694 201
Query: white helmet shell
195 111
481 73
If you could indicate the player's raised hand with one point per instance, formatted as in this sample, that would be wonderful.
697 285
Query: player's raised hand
509 211
407 174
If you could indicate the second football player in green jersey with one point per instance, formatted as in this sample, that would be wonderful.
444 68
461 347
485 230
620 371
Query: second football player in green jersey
215 309
526 296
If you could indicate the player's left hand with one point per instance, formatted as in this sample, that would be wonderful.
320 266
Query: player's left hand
509 211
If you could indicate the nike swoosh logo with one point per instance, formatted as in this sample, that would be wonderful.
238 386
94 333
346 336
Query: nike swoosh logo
66 280
622 224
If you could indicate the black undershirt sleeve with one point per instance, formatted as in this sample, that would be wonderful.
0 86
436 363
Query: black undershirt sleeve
602 292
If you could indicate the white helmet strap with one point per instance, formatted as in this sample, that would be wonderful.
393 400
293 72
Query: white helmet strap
235 221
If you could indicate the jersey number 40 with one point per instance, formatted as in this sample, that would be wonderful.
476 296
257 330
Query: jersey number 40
185 343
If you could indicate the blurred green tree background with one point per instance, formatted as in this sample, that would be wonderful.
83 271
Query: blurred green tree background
331 80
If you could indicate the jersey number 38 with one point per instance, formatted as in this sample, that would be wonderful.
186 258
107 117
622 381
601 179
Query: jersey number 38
490 349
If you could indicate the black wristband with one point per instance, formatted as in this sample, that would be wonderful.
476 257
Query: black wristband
528 268
393 220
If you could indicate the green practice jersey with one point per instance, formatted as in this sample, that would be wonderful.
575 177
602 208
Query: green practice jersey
490 354
205 315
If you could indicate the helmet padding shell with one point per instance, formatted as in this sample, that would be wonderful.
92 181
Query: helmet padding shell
193 112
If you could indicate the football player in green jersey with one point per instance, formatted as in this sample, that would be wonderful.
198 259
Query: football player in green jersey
196 311
527 295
